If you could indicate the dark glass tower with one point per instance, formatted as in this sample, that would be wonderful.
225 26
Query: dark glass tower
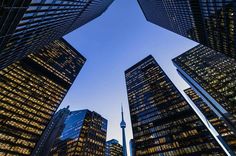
31 91
50 134
211 23
213 76
163 122
113 148
28 25
132 147
226 136
83 133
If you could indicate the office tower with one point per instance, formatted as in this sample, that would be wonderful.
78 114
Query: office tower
211 23
30 92
113 148
28 25
51 133
213 76
227 137
163 123
123 126
132 147
83 133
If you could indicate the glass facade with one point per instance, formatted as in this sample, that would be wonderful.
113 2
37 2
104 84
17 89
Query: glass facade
209 22
163 122
220 125
28 25
213 76
30 92
83 133
113 148
50 134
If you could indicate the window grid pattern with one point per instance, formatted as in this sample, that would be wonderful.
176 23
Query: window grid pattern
215 74
209 22
41 22
218 123
163 122
30 94
84 133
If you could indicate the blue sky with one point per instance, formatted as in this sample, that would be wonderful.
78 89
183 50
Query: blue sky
112 43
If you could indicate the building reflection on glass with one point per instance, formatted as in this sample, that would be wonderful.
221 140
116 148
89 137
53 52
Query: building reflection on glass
82 133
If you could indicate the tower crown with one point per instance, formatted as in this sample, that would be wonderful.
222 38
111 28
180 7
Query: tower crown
122 123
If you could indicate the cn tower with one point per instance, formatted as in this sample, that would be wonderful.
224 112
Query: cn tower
122 126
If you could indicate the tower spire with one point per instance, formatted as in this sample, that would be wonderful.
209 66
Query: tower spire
123 126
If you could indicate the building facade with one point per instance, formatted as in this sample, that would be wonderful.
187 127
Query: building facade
28 25
213 76
211 23
132 147
113 148
83 133
51 133
163 123
31 90
225 135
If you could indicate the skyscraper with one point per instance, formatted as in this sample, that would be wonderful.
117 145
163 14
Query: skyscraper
211 23
213 76
123 126
84 133
51 133
31 91
28 25
132 147
113 148
226 136
162 121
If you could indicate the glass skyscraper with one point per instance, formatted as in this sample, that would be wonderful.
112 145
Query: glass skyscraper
28 25
213 76
163 122
51 133
211 23
83 133
113 148
31 91
227 136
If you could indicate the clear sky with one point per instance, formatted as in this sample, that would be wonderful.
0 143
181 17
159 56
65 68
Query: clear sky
112 43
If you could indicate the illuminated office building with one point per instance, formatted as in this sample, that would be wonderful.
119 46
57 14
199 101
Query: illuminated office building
28 25
227 136
163 122
213 76
211 23
30 92
113 148
84 133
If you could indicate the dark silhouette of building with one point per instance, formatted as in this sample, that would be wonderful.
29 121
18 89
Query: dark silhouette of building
162 121
31 90
28 25
113 148
132 147
226 136
51 133
84 133
211 23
